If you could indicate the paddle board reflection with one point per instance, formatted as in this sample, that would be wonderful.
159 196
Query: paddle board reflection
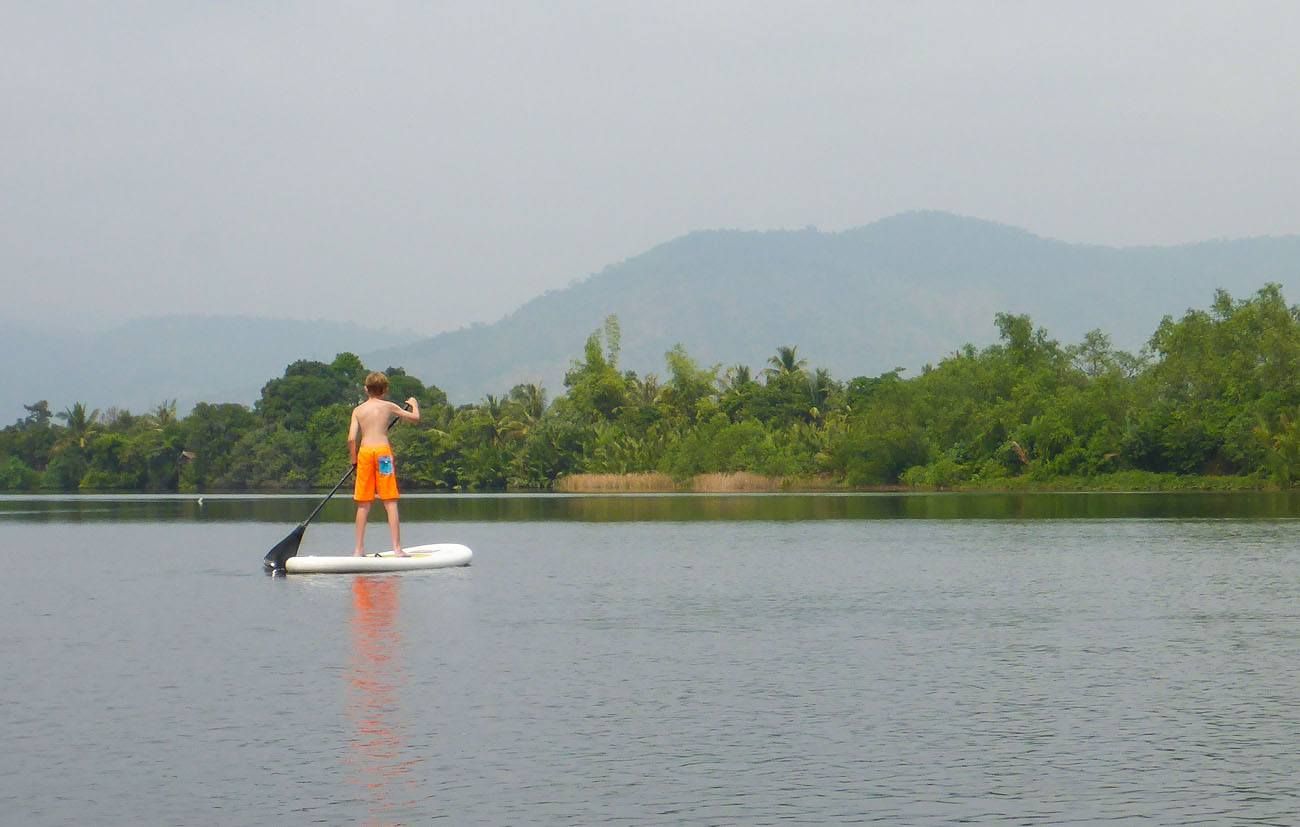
378 757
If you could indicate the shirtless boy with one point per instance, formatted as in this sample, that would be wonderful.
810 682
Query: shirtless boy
368 448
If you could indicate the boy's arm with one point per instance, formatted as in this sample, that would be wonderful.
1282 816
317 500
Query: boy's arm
354 429
412 415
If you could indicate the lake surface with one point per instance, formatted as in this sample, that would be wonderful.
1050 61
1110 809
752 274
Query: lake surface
1025 659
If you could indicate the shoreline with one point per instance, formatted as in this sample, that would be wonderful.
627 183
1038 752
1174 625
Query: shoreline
1127 482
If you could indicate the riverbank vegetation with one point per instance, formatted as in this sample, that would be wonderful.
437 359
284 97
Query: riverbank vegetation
1213 401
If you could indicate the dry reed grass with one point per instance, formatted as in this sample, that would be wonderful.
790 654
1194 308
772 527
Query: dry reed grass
588 483
740 481
737 483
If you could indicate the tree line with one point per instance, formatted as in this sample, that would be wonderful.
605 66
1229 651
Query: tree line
1214 394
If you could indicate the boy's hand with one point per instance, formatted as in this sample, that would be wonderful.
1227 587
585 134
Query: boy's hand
410 403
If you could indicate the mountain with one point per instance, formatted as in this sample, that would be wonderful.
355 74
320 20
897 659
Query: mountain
901 292
140 364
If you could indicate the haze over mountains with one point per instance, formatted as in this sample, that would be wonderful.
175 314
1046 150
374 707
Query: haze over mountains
900 292
141 364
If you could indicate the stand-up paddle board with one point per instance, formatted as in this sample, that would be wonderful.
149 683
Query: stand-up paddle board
434 556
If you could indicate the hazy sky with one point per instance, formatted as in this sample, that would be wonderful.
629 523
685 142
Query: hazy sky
429 165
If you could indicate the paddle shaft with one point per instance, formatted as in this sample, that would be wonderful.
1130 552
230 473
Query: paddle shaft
332 492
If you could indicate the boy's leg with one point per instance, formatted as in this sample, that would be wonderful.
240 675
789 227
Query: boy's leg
363 514
395 527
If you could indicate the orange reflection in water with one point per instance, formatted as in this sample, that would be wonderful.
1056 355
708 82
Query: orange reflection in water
376 677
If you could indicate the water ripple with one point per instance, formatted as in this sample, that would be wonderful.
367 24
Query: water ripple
845 672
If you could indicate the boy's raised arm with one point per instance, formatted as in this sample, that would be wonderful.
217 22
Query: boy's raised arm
412 415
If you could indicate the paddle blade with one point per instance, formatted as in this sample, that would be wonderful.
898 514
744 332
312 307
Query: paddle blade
283 550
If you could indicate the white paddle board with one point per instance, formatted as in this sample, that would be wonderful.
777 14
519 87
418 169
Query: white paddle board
434 556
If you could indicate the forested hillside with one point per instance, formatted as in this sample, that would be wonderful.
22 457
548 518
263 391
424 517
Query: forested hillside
901 292
1217 395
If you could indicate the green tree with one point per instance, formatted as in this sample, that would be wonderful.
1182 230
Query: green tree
308 385
689 386
402 386
209 436
16 475
786 362
1217 374
164 413
271 458
527 406
595 388
108 467
38 415
79 424
737 389
1281 443
821 391
30 440
327 434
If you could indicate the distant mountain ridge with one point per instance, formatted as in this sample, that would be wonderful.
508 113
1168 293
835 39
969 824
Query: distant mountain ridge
901 292
140 364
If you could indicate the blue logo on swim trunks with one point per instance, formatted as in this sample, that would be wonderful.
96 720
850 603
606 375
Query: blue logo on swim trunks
386 465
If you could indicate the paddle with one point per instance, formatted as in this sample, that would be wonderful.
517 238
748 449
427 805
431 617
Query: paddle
288 547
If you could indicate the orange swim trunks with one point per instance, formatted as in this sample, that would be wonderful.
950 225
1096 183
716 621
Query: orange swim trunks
376 476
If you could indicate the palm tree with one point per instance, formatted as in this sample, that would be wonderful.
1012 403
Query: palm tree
164 413
737 377
499 423
786 362
80 424
820 386
529 402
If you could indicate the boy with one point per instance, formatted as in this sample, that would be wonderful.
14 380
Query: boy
368 448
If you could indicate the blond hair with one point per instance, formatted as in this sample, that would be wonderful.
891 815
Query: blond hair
376 384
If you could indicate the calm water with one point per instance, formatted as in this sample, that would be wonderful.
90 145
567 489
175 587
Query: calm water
658 660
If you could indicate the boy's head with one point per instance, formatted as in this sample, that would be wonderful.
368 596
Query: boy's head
376 384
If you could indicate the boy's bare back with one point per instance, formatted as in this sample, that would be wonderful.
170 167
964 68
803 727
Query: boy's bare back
370 421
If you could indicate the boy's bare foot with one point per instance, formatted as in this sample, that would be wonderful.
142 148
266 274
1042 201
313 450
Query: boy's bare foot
358 553
400 553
